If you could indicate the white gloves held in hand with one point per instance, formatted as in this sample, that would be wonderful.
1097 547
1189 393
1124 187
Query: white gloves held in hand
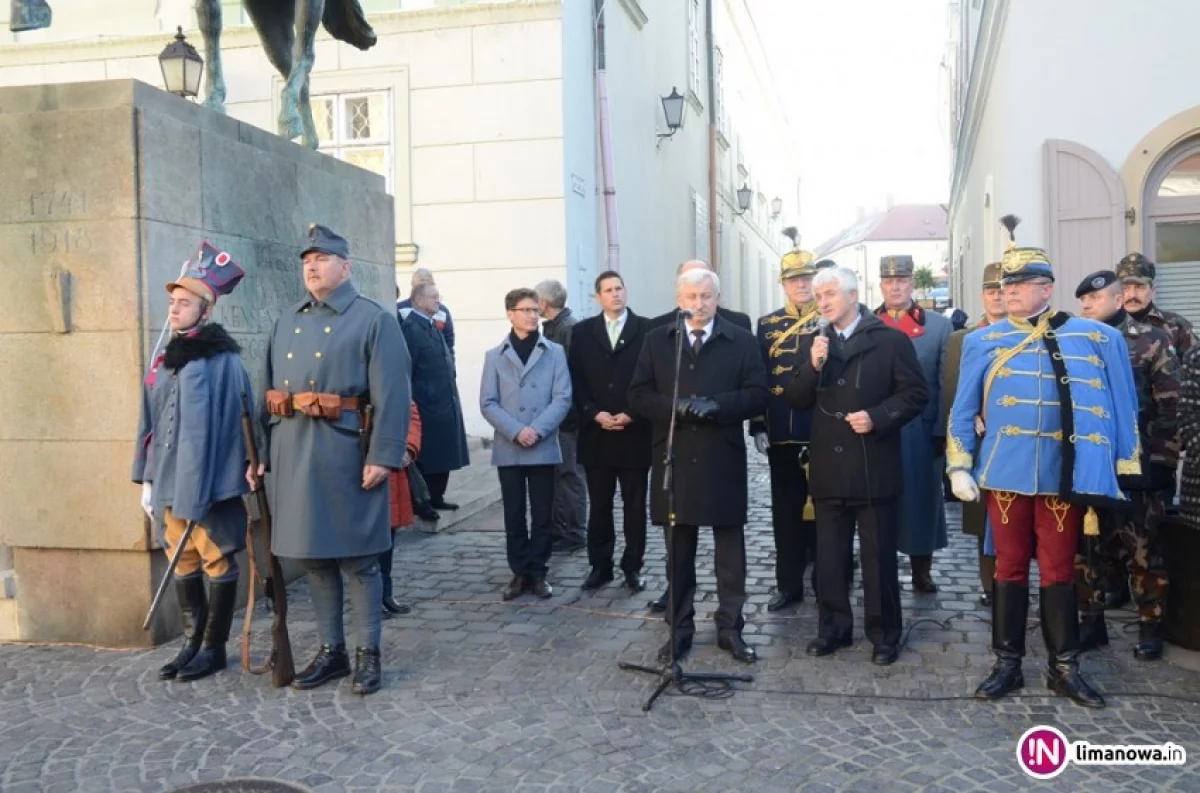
148 499
761 442
964 486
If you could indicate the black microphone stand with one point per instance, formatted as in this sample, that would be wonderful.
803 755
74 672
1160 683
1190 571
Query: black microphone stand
672 672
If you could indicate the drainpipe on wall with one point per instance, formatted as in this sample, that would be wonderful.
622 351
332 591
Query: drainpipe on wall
606 160
713 209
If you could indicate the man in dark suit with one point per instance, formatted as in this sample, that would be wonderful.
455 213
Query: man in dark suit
863 386
670 319
722 383
614 445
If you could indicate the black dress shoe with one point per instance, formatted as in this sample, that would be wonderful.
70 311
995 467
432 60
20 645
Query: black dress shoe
821 646
390 605
564 545
330 664
782 600
426 513
885 655
985 599
366 671
737 647
597 578
516 587
442 503
541 589
682 648
658 606
635 583
1149 646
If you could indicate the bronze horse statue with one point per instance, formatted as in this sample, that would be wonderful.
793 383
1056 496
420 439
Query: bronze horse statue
287 29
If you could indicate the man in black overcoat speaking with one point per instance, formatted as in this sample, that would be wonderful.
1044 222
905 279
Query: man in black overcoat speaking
862 381
722 382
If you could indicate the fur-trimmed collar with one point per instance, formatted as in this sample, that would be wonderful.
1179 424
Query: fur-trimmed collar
207 342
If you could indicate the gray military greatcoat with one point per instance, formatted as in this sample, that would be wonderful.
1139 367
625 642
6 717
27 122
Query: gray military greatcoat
352 346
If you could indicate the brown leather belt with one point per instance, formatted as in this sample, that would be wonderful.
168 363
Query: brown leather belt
311 404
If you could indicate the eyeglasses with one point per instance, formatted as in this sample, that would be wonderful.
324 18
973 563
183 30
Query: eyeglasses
524 310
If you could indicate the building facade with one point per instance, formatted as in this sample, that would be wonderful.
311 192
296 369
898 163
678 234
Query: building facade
485 119
1081 118
916 230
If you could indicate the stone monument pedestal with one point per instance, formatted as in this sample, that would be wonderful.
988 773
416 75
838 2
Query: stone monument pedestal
108 188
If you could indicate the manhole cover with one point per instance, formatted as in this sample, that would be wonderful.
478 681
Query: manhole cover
242 786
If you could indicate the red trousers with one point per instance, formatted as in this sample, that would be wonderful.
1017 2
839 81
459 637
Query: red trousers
1016 520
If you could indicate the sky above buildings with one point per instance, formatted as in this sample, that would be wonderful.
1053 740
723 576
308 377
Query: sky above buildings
866 95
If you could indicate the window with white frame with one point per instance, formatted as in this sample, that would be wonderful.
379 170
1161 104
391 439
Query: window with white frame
700 213
357 128
695 48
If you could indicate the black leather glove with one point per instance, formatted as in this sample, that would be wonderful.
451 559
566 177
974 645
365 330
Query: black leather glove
683 411
939 447
703 408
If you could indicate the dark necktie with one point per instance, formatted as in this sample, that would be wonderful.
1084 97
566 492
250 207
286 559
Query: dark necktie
697 341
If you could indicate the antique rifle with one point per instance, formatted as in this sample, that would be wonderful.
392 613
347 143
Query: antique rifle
281 663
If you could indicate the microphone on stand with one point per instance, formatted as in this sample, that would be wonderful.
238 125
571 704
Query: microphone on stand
686 313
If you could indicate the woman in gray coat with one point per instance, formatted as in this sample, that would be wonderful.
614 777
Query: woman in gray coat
525 394
191 457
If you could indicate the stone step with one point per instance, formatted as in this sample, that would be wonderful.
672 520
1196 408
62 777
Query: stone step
474 489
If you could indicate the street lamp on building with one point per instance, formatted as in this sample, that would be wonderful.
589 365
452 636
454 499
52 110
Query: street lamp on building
673 110
181 67
776 207
744 196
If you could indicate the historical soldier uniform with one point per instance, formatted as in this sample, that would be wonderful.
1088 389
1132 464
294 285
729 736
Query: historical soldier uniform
1130 539
192 457
1040 469
1136 268
922 527
779 334
974 513
338 399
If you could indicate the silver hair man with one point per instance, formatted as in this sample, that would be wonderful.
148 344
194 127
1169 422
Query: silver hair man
846 280
553 292
696 277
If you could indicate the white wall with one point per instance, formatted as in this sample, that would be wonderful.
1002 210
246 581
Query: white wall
1099 72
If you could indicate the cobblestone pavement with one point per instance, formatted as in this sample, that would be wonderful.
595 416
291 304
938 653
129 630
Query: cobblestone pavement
485 696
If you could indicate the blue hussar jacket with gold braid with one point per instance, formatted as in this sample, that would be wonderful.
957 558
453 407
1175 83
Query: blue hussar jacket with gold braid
779 335
1046 409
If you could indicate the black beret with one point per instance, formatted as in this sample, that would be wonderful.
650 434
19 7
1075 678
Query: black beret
1095 282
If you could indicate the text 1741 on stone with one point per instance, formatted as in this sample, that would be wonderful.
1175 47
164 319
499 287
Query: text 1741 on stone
57 203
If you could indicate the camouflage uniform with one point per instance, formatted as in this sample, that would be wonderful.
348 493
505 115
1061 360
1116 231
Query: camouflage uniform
1136 267
1130 541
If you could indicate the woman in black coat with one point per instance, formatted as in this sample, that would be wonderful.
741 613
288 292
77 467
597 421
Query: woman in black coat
862 390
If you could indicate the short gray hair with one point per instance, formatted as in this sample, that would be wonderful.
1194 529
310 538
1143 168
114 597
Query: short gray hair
694 277
553 293
845 278
421 276
698 262
420 290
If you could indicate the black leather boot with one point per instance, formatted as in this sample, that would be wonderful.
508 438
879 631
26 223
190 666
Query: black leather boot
1093 631
987 579
1149 646
1010 613
1060 629
922 578
222 597
366 671
194 606
330 664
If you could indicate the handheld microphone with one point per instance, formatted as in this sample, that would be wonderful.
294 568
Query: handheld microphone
823 330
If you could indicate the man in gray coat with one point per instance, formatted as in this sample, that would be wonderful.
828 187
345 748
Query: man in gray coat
922 504
568 533
525 394
190 458
336 416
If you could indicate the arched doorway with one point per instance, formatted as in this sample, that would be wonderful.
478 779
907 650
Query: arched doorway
1171 231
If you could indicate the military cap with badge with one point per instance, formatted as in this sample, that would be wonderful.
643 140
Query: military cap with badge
796 262
1095 282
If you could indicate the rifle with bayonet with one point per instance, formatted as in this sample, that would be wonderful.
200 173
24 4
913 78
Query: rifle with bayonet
281 663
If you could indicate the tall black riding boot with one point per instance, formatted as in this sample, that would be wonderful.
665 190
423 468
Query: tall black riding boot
1093 631
192 603
222 596
1010 613
1060 629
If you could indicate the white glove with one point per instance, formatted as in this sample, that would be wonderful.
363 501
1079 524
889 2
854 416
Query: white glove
964 486
148 499
761 442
